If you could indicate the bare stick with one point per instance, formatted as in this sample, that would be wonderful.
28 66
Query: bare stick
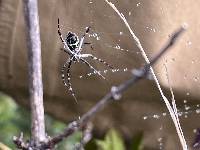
167 103
19 142
174 104
35 70
114 94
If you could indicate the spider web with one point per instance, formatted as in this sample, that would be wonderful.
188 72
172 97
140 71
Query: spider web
98 37
115 47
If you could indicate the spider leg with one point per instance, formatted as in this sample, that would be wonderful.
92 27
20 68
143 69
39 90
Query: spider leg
60 34
63 41
88 43
81 43
68 84
91 67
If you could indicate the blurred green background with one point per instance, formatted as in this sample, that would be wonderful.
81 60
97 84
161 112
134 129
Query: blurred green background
15 119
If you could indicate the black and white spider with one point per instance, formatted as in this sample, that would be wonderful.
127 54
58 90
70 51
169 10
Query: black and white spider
73 46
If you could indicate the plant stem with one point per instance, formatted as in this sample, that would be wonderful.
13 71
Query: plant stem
35 70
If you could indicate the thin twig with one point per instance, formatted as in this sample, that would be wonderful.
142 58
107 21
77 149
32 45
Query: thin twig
196 144
137 41
174 106
35 70
114 94
86 137
19 142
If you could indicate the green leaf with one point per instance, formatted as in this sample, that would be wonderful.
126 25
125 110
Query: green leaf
14 119
91 145
112 141
137 142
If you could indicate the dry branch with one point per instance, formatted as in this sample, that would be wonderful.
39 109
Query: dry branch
114 94
34 73
36 94
170 108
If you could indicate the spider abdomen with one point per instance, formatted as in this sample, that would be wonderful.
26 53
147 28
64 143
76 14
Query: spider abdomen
72 41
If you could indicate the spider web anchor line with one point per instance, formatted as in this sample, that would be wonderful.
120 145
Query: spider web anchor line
102 61
92 68
105 72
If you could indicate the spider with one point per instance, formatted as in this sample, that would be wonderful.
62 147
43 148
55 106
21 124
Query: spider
73 47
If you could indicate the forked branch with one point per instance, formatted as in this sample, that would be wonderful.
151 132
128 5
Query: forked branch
114 94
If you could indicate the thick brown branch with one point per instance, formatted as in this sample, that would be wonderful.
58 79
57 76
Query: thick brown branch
35 70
